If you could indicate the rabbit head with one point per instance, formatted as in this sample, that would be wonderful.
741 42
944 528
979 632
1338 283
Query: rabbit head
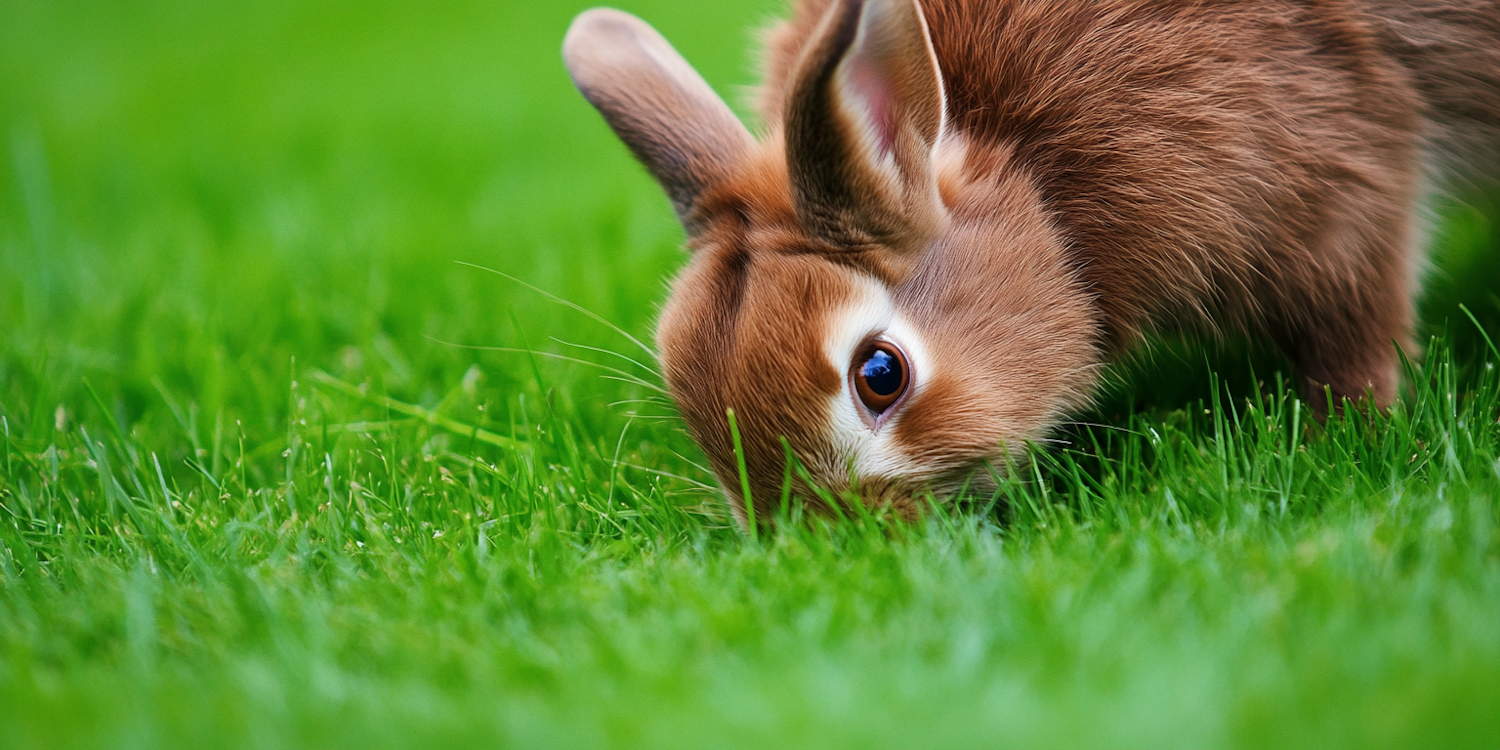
868 292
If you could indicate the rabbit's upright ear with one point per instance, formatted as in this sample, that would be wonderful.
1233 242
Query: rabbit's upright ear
864 115
653 99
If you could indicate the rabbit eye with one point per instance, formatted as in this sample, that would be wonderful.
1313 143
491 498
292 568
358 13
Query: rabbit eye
881 376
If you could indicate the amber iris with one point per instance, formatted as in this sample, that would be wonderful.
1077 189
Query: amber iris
881 376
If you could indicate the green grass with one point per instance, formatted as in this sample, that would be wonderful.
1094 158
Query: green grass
259 490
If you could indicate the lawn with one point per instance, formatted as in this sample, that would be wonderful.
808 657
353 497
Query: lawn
305 444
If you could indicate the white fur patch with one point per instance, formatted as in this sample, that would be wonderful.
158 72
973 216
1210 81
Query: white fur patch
874 449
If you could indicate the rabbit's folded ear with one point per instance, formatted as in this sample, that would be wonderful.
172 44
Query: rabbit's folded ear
864 115
653 99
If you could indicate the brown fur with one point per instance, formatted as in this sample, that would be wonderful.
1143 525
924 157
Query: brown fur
1109 168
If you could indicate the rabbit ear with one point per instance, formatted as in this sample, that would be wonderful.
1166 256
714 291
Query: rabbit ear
653 99
865 112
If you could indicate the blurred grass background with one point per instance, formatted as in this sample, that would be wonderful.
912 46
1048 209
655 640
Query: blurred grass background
201 193
230 315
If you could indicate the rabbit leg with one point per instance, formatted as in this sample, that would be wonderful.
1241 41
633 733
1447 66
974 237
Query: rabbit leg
1349 362
1348 343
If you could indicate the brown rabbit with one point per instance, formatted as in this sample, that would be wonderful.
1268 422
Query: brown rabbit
960 210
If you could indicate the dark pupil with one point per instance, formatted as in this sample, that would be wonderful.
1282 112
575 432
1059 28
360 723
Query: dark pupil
882 373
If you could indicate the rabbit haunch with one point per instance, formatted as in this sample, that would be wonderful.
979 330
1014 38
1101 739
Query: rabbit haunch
1012 191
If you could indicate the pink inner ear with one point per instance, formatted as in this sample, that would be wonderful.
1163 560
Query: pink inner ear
871 88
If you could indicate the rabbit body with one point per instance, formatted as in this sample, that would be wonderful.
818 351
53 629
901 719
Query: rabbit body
1005 194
